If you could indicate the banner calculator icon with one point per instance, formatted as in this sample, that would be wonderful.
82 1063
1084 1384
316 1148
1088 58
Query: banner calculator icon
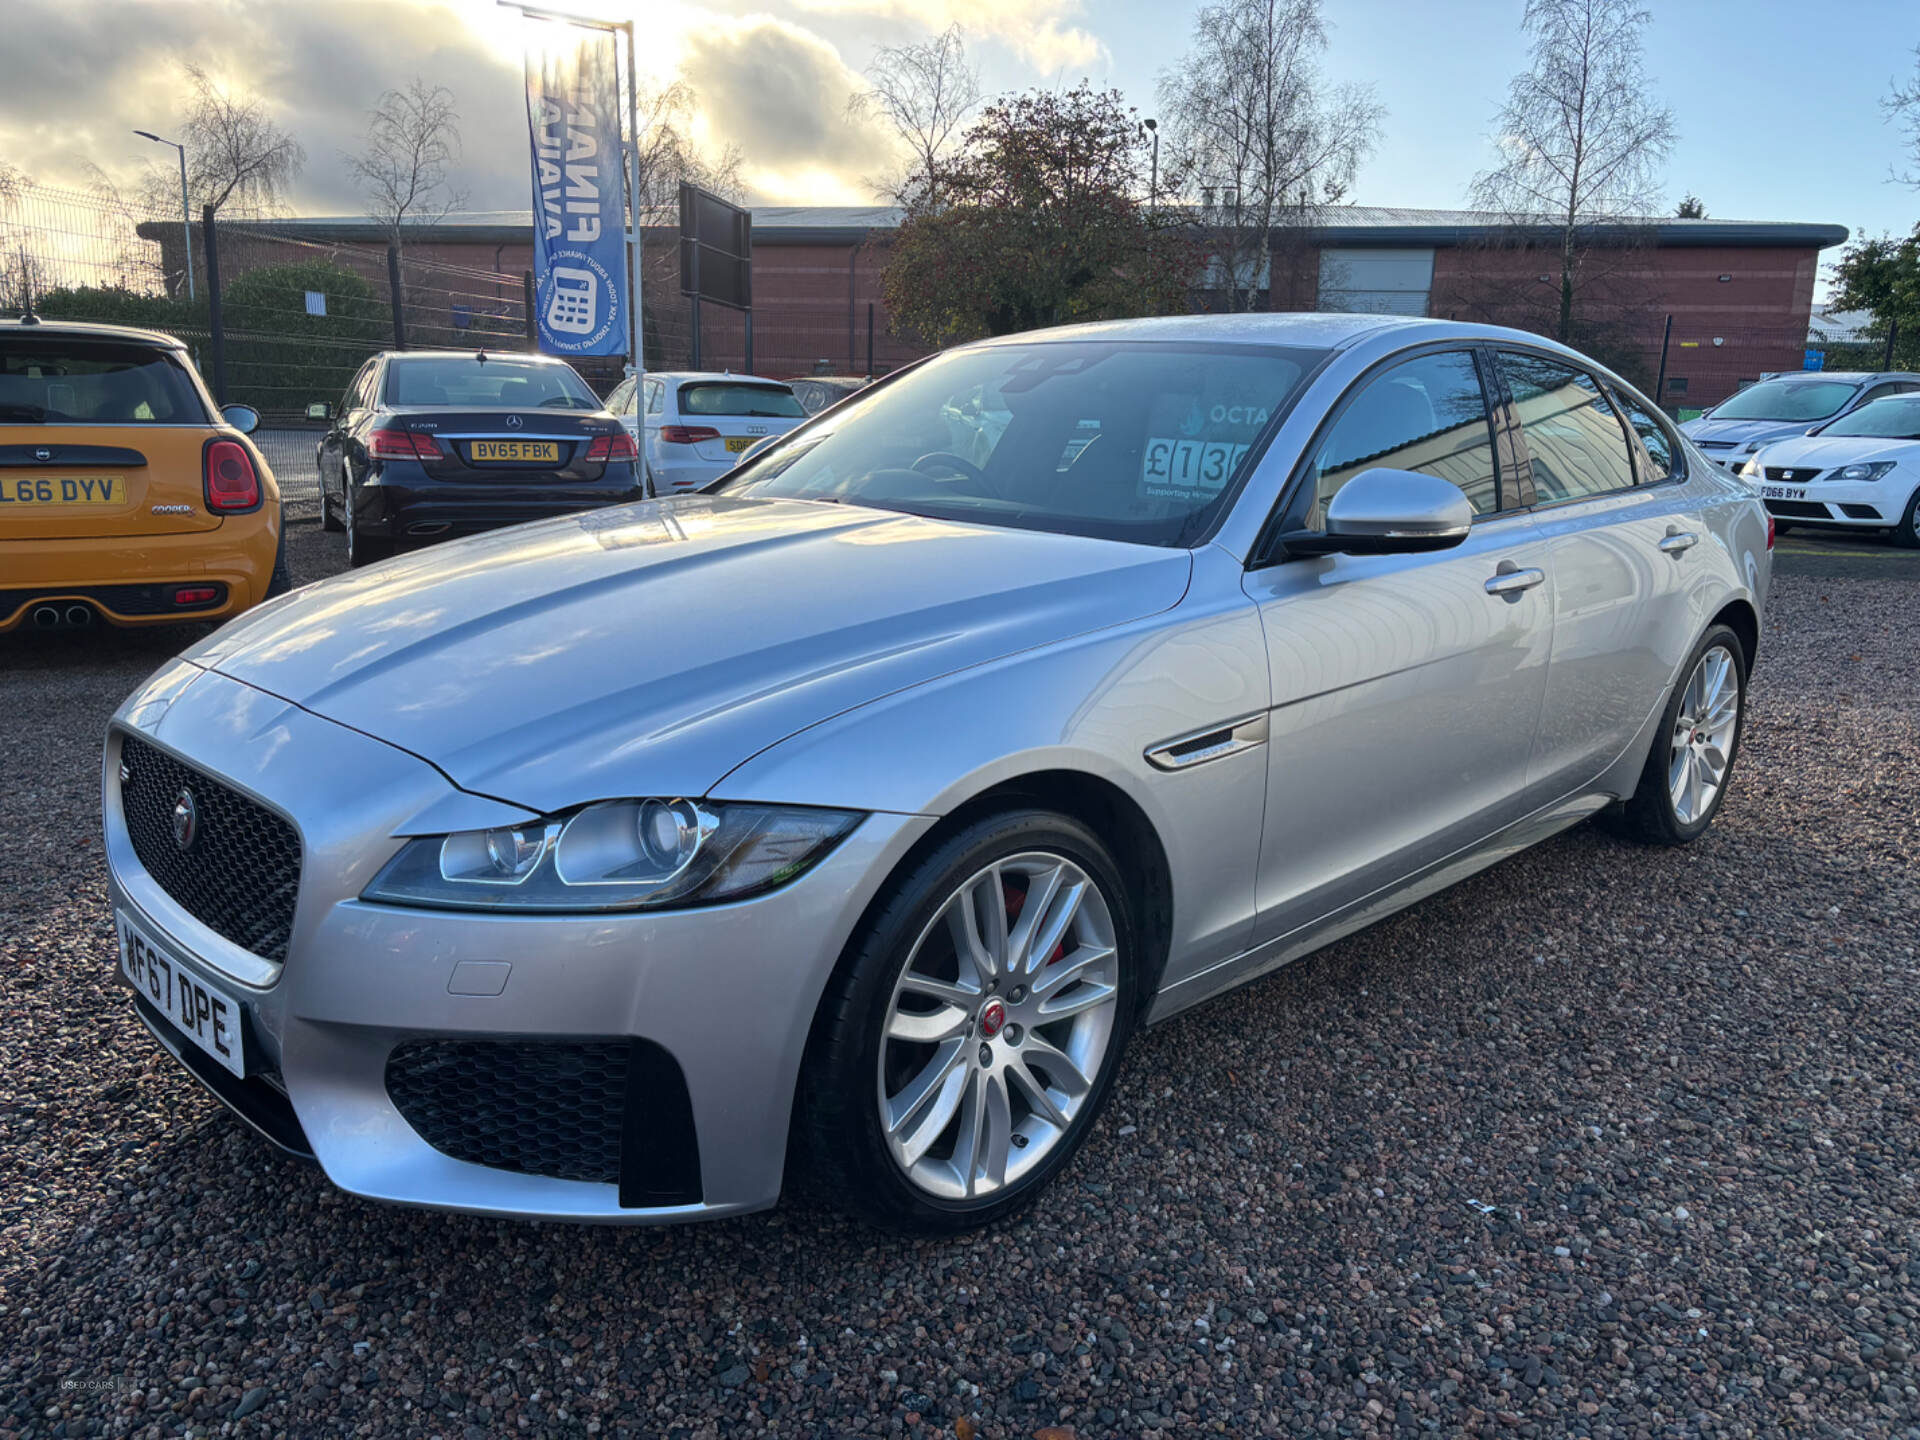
572 303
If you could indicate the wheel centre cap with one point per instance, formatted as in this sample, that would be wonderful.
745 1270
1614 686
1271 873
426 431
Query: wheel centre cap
993 1016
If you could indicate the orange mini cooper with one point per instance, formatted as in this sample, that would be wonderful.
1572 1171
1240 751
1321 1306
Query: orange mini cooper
126 495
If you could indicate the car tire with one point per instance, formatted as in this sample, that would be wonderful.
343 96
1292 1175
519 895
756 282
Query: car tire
875 1027
1907 532
329 522
282 579
362 549
1680 788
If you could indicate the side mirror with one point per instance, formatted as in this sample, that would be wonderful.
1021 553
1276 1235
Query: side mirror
243 418
320 410
1388 512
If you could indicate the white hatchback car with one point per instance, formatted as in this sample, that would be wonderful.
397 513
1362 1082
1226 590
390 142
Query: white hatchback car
699 423
1861 471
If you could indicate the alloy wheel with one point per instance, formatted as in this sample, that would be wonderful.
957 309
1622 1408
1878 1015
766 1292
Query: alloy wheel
998 1026
1703 735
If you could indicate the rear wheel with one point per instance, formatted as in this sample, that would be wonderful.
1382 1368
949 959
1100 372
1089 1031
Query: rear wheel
282 579
969 1040
328 520
1907 532
1686 775
362 549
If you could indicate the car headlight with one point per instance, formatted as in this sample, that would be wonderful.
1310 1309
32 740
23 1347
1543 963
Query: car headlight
1750 470
1862 472
615 855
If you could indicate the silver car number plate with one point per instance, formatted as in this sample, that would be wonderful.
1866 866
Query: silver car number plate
1783 492
203 1013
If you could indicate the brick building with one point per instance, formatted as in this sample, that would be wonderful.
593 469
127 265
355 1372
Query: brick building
1739 293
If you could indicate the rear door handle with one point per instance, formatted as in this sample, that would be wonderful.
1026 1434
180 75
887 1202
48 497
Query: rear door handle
1512 582
1678 542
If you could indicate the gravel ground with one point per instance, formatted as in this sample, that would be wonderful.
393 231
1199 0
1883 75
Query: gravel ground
1604 1142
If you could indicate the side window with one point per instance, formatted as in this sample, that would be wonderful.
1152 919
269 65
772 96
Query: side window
1428 414
656 395
356 389
621 400
1577 444
1653 435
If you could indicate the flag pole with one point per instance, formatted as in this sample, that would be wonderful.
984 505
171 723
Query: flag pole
637 359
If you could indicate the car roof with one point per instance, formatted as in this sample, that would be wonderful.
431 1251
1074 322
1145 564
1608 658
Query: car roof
93 330
1316 330
1852 377
409 356
678 376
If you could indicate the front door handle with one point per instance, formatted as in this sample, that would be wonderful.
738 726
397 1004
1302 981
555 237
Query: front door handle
1678 542
1512 582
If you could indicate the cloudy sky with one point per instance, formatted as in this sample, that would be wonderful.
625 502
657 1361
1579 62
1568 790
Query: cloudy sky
1777 105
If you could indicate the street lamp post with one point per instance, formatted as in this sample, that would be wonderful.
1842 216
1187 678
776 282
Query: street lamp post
1153 183
186 212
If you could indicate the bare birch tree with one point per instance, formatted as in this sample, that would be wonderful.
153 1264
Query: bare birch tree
924 94
1580 138
236 155
413 141
1903 104
1260 141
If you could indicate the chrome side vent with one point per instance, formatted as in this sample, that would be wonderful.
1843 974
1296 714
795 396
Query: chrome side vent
1186 751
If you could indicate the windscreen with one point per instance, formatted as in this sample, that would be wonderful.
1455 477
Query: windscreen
727 397
1895 418
1787 400
495 383
1131 441
55 379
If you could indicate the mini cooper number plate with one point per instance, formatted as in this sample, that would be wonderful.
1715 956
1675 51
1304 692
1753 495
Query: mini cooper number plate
205 1014
63 489
515 452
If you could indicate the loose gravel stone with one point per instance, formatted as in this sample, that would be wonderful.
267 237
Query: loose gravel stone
1606 1141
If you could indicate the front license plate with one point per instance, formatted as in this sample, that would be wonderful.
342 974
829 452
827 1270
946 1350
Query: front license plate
516 452
1782 492
63 489
738 443
204 1013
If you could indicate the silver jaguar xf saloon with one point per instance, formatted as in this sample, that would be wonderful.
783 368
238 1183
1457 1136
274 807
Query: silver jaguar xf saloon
847 817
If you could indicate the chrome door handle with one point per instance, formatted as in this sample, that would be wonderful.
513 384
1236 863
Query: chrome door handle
1512 582
1678 542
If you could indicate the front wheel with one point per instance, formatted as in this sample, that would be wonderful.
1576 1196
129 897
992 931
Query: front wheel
1686 775
970 1037
1907 532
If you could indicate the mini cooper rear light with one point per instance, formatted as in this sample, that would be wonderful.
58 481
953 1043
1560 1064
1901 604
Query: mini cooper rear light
613 447
687 434
196 595
231 482
403 445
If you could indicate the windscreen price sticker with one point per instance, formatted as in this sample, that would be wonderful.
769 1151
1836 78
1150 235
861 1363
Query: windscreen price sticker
1183 468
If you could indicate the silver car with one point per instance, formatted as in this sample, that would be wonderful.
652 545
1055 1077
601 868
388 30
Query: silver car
1038 693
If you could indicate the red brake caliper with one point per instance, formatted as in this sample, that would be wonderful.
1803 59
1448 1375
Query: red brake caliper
1015 901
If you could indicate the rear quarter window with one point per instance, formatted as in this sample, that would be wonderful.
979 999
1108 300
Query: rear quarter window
55 380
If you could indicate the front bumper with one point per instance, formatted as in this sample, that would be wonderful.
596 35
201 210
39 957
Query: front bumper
727 992
1863 504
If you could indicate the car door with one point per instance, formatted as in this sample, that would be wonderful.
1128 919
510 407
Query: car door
1623 543
1405 687
332 468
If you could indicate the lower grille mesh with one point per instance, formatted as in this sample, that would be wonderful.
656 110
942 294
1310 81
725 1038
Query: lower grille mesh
541 1108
